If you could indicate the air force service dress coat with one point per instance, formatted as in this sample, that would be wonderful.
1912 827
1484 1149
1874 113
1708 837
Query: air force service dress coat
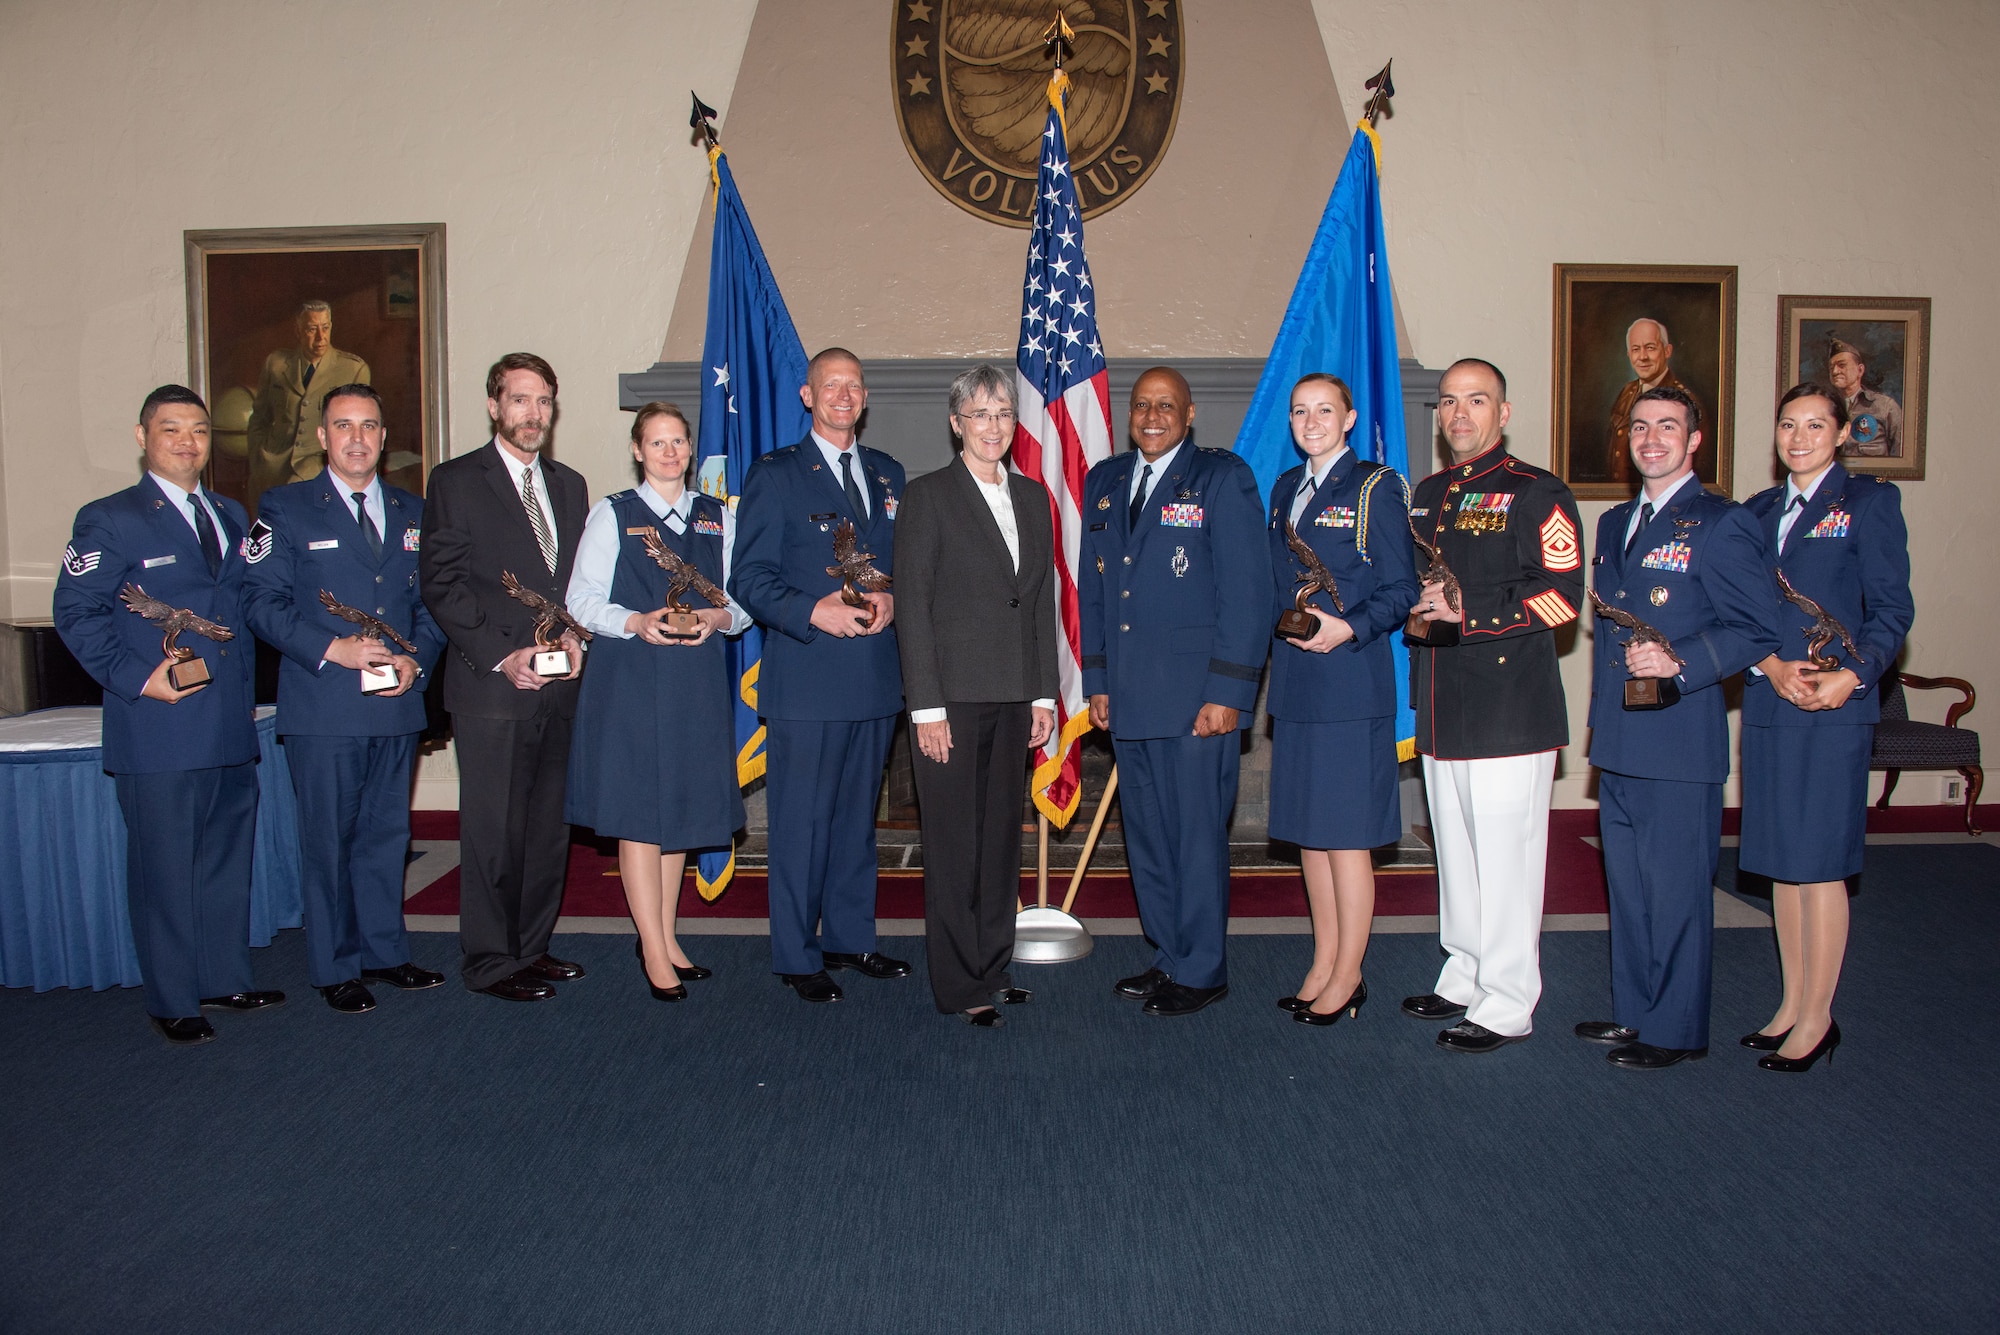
1333 745
1510 533
1697 574
1805 774
1176 613
185 777
350 753
829 702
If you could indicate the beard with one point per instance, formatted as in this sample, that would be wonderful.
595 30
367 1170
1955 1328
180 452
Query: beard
528 434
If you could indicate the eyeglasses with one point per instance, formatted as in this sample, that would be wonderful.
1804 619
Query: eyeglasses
984 418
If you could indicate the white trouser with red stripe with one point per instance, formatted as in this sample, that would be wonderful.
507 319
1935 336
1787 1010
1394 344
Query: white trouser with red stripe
1490 824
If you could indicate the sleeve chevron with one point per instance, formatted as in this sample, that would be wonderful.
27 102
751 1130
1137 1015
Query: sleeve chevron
1552 608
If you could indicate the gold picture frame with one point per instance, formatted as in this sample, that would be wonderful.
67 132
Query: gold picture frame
1888 339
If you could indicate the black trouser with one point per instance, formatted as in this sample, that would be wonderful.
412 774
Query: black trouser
513 844
970 807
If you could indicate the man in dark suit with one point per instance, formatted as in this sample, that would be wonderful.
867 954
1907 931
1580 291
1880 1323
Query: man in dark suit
185 761
350 737
977 629
1175 596
830 686
505 509
1691 565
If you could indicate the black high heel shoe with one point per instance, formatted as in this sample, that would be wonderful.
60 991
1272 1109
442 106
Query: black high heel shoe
1293 1004
693 973
1350 1008
1824 1048
1763 1042
678 992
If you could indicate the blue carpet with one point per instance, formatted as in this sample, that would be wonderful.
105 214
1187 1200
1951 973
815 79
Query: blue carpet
744 1162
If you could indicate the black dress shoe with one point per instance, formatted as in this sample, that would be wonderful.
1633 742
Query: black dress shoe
183 1033
1763 1042
1144 986
871 963
552 970
678 992
986 1017
243 1001
1465 1036
1646 1057
692 973
1431 1006
407 977
1824 1048
519 986
1016 996
349 998
1606 1031
1350 1008
812 986
1293 1004
1179 999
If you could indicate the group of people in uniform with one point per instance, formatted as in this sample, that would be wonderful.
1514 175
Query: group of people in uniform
581 693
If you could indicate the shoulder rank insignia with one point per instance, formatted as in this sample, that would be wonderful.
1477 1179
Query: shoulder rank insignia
80 563
1560 551
257 542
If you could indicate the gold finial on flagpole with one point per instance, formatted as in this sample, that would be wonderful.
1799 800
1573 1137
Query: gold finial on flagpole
1059 39
1384 90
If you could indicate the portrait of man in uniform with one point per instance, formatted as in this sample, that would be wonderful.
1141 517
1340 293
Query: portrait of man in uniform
278 317
1622 330
1875 353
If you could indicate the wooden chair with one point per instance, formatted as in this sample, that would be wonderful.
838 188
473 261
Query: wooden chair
1902 744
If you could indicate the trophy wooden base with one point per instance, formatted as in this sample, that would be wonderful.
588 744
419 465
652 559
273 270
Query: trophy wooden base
857 600
681 626
1651 693
1296 625
552 663
1431 634
381 678
189 673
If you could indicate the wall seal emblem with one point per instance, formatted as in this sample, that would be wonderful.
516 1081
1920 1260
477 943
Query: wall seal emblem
970 84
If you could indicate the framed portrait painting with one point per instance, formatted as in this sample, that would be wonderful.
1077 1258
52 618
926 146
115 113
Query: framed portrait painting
279 316
1876 353
1621 329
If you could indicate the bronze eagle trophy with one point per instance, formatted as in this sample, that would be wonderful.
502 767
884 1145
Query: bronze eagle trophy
1823 631
856 569
1434 634
681 623
1298 623
553 659
372 627
187 671
1642 692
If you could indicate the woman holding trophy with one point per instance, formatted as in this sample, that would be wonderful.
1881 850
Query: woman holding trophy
1839 553
653 760
1342 557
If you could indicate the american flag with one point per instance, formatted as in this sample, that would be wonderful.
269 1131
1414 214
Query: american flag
1064 427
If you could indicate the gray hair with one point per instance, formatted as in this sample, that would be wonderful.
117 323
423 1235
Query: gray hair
309 307
983 378
1665 337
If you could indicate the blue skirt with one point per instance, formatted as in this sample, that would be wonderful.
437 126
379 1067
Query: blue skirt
652 755
1805 801
1333 785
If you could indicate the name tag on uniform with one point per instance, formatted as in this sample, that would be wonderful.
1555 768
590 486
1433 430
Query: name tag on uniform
1335 516
1832 525
1483 511
323 545
412 539
1180 515
1672 556
641 531
711 527
152 561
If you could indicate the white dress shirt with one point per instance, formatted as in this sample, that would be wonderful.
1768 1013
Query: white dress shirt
184 501
1311 482
1659 503
832 455
1795 502
1002 505
589 594
519 472
1160 466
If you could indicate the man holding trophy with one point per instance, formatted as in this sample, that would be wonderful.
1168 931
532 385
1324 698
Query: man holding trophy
179 736
1684 572
332 585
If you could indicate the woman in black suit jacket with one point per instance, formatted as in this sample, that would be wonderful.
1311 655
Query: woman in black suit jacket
975 610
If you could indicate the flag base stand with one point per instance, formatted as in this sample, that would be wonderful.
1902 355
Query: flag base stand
1043 935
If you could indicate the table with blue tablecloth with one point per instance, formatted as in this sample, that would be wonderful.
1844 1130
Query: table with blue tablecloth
62 853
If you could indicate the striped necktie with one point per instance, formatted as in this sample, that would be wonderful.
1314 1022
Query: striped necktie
544 538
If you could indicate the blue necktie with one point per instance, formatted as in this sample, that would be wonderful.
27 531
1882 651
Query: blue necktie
1645 518
1138 507
204 533
368 529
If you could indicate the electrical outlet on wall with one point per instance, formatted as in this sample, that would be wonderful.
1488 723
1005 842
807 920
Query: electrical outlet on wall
1954 790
